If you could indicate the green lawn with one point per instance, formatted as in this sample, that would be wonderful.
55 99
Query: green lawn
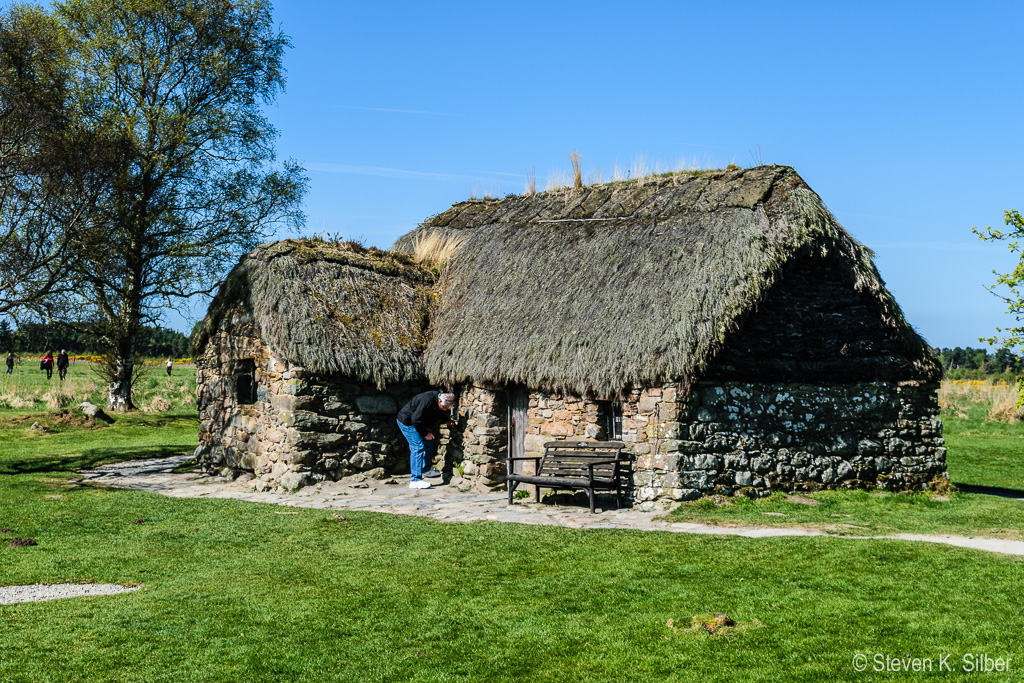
235 591
985 453
64 443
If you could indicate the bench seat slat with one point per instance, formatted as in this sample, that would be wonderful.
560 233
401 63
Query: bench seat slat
571 482
589 455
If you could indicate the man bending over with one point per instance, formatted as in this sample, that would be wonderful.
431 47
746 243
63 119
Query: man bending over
419 421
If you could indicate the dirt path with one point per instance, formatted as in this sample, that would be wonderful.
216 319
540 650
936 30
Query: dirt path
446 503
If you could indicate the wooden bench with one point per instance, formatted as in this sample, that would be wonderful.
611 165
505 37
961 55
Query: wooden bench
574 464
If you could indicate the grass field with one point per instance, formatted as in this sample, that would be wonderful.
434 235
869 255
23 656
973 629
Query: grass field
235 591
27 389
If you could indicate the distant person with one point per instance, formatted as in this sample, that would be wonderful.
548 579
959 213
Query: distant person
419 421
10 362
47 364
170 365
62 364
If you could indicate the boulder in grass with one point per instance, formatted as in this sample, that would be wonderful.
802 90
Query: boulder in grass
94 411
21 543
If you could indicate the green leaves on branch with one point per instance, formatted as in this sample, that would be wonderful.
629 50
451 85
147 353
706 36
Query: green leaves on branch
164 101
1014 280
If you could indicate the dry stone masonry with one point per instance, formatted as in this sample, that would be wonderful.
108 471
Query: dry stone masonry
723 437
755 438
477 446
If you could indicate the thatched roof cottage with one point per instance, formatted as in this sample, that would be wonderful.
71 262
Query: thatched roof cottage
306 354
723 324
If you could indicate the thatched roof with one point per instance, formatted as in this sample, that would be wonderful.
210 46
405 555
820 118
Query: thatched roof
593 290
331 308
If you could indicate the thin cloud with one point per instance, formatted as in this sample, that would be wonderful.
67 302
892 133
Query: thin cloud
931 246
396 111
385 172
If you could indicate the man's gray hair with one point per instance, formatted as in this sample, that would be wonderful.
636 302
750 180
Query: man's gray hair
447 400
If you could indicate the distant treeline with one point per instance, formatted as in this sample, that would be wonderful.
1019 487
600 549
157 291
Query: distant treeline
970 363
39 337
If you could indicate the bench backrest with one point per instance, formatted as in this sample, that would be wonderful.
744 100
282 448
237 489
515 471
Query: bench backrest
571 457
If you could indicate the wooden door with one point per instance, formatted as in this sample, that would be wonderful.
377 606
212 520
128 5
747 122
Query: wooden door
518 403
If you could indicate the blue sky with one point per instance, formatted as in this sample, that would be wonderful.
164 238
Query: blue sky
904 117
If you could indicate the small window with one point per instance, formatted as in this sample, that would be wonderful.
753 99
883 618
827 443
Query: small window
610 417
245 381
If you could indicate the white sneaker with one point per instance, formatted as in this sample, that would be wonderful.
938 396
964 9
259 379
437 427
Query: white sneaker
419 484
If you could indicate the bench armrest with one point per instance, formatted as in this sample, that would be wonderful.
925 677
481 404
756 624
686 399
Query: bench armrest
534 457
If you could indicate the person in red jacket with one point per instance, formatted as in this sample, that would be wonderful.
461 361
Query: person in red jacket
47 364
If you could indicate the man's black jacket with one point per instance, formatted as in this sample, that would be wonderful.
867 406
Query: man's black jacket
423 413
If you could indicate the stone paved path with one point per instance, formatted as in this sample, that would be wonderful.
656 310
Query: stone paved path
446 503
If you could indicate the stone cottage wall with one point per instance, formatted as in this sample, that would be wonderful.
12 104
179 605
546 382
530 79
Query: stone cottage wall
649 426
551 417
755 438
302 428
723 437
478 445
228 429
764 437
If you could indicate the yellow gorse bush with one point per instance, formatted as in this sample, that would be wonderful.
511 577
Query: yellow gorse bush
99 359
1000 399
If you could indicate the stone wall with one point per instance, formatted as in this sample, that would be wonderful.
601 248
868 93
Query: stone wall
478 445
723 437
757 438
551 417
302 428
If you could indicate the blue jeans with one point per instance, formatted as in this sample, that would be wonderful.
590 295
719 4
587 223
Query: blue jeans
420 449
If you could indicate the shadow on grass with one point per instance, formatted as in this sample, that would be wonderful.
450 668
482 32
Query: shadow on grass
90 458
990 491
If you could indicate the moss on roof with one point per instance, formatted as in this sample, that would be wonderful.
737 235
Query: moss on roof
333 308
596 289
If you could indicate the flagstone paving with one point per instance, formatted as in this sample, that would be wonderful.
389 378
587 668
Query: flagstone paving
444 502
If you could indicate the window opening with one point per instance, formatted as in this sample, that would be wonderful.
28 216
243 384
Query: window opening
245 381
612 422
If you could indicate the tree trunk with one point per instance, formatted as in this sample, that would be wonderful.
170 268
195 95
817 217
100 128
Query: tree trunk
119 389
